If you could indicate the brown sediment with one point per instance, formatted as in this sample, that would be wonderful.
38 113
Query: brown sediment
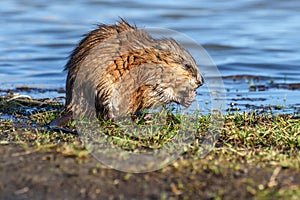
29 89
288 86
246 77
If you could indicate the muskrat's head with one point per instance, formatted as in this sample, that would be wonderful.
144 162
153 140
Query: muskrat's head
181 76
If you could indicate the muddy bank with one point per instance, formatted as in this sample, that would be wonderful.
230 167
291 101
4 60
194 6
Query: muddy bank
29 174
256 156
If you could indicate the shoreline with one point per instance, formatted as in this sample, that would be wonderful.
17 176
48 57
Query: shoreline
256 156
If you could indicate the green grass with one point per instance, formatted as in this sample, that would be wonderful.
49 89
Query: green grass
241 130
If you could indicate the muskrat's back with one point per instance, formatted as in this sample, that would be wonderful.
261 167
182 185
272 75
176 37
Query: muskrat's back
119 69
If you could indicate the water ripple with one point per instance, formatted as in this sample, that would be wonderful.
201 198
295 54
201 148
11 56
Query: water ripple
254 37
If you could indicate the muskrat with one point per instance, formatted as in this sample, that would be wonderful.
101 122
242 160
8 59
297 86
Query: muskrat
117 70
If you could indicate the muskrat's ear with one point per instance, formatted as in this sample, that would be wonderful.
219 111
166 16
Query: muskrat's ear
170 45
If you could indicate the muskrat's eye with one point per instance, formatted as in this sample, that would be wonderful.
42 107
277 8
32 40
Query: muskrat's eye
188 66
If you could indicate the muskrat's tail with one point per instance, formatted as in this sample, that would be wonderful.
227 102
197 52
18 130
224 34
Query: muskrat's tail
62 123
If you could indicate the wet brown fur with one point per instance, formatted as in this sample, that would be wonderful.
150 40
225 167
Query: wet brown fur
163 66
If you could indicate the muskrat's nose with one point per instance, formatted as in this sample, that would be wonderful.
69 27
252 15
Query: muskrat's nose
200 81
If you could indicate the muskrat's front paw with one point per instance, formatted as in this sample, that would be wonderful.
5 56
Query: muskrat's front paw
148 117
142 117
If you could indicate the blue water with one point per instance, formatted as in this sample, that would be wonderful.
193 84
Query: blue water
249 37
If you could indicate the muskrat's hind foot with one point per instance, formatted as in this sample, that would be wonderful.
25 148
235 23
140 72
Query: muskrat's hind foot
62 122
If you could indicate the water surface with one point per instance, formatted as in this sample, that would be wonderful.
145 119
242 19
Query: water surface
256 38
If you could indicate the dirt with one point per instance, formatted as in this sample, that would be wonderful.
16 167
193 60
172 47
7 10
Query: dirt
51 175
